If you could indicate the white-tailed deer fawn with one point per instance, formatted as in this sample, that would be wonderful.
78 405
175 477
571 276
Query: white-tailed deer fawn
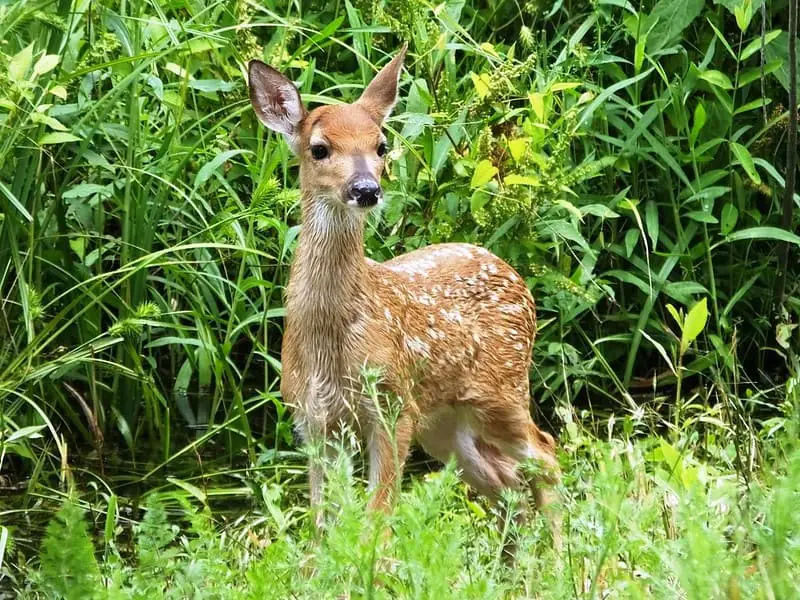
450 326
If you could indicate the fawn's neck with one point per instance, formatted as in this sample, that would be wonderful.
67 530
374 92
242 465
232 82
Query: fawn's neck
326 286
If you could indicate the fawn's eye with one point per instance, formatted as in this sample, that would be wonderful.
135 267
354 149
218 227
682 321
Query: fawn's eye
318 151
381 149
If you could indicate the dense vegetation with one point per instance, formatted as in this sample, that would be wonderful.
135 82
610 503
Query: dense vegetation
629 160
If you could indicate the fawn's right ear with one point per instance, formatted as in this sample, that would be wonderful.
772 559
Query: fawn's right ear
275 100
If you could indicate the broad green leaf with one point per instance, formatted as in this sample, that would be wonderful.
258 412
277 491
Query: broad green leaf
537 104
515 179
84 190
722 39
671 456
31 431
780 51
694 324
481 83
631 239
565 229
564 85
212 85
629 277
517 148
207 170
765 233
672 17
701 217
755 45
758 103
651 220
58 137
59 91
571 208
15 202
753 73
675 315
697 123
705 195
478 200
743 14
621 3
717 78
730 214
661 351
199 45
189 487
599 210
45 64
608 92
732 4
111 519
783 334
78 246
682 291
639 52
20 63
746 160
51 122
483 174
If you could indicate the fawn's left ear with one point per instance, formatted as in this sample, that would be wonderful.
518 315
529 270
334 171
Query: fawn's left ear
380 96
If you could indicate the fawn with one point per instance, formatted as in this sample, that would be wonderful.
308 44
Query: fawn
449 326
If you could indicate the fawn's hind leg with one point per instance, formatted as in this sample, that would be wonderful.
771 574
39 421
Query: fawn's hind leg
508 428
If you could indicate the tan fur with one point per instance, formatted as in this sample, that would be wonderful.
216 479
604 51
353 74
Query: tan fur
450 327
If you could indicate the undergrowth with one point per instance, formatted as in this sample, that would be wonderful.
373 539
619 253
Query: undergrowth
643 519
629 160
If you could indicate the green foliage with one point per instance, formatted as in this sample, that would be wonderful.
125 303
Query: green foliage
627 159
68 566
644 519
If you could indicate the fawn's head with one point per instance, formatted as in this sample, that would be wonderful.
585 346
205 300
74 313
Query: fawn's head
341 147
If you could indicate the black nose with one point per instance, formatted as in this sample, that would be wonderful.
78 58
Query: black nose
364 191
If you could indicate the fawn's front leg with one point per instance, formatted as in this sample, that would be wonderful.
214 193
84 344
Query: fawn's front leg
388 449
315 440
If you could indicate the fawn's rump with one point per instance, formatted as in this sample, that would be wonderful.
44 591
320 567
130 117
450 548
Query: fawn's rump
468 329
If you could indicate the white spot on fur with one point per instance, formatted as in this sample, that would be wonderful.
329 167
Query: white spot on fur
417 346
388 314
454 316
519 346
511 309
425 299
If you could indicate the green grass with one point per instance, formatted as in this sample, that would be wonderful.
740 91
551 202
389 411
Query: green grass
643 519
630 166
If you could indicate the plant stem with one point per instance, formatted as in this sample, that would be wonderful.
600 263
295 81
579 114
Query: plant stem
791 158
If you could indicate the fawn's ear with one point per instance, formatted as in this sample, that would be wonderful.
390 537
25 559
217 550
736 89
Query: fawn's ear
381 94
275 100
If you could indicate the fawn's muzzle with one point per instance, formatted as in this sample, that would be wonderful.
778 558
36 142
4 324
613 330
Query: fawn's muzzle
363 191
